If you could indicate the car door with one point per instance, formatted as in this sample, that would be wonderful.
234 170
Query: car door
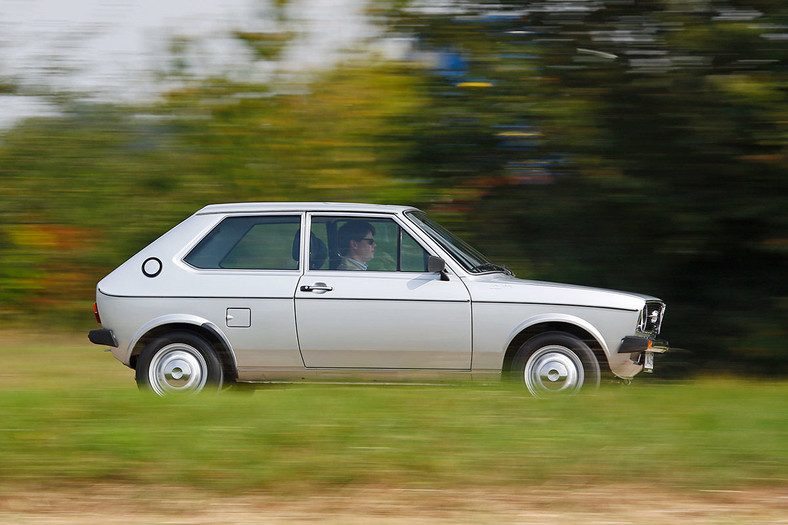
391 315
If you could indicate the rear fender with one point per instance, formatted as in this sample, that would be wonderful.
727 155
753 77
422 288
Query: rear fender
182 319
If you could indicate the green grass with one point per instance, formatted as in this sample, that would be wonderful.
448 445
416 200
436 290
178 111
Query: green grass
71 414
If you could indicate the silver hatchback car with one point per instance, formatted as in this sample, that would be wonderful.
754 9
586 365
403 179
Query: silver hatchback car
269 292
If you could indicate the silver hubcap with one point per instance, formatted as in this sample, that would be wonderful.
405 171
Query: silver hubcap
177 367
553 369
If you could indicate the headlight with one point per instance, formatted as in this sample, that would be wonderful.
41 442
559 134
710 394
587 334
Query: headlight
650 320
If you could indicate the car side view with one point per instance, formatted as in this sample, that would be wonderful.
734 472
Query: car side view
269 292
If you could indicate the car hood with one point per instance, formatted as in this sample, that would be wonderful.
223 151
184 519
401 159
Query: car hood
500 288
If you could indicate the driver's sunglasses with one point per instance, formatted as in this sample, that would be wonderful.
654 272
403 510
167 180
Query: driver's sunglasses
370 241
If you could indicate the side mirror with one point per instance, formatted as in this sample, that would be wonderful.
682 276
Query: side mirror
437 265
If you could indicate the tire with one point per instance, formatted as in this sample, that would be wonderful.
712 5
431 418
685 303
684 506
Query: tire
556 363
179 363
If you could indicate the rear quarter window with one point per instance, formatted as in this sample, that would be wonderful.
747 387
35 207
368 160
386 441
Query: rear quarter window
249 243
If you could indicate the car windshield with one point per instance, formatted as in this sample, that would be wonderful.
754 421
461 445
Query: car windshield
465 254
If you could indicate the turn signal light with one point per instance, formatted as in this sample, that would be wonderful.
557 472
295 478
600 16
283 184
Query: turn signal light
95 312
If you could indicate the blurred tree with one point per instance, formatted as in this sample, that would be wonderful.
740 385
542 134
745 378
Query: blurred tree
338 138
83 192
636 145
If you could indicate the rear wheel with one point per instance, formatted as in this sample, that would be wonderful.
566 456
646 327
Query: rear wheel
178 362
556 363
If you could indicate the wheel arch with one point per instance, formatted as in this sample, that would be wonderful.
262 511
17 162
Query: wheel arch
200 327
572 327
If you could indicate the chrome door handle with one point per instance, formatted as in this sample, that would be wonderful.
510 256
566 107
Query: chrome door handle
317 287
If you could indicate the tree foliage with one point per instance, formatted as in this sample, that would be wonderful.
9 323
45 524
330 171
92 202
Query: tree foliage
84 191
652 153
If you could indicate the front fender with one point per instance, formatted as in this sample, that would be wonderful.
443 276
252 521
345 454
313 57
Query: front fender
557 318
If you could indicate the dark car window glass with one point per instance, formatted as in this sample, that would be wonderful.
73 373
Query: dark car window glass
413 257
249 243
319 234
394 249
387 241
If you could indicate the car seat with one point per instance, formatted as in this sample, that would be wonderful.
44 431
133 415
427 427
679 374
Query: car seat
318 252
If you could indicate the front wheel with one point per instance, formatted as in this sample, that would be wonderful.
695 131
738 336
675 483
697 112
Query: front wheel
556 363
178 362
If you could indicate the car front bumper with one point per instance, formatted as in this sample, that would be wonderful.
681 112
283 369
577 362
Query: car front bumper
641 350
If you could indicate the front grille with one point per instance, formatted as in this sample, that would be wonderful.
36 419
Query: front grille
650 321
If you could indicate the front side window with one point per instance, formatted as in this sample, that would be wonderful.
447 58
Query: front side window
250 243
373 244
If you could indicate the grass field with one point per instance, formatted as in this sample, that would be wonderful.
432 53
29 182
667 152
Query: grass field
72 416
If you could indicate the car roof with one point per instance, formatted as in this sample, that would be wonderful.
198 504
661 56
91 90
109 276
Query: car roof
254 207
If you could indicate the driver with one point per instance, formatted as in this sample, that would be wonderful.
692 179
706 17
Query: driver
356 245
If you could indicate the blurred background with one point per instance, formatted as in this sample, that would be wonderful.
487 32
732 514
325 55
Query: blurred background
625 144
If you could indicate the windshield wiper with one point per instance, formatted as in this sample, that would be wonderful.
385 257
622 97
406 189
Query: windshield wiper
492 267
